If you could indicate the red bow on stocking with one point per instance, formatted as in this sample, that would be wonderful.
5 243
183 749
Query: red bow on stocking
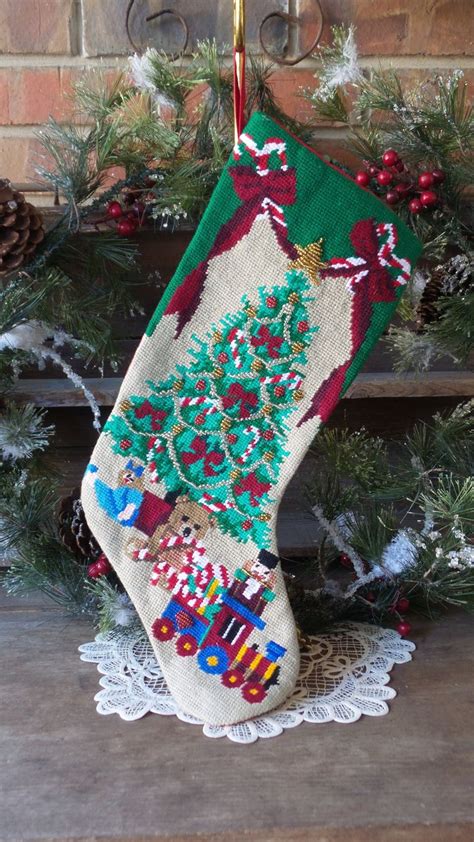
278 186
262 191
374 255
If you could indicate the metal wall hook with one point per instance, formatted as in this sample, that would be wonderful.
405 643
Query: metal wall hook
154 16
293 19
309 14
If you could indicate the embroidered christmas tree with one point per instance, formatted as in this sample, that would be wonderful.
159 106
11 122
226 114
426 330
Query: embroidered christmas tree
216 427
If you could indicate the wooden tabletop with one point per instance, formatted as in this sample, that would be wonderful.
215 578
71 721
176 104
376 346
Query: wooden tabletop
69 774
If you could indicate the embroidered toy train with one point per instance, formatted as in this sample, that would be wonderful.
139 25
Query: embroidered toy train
211 613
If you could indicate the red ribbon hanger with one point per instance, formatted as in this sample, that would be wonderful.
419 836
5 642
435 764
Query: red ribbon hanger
239 67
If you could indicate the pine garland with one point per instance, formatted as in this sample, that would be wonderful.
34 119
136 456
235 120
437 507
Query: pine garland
172 151
408 517
404 524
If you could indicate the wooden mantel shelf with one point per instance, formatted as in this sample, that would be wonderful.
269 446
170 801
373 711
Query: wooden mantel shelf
405 777
60 392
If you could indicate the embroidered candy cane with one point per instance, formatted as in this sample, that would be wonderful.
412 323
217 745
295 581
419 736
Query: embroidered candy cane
212 505
262 154
164 568
194 556
179 541
276 211
236 337
291 378
252 443
210 571
348 262
152 466
387 254
198 402
143 555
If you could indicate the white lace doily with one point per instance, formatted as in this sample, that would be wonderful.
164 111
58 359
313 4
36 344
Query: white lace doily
343 674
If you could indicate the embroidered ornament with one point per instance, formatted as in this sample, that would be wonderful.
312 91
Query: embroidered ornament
290 279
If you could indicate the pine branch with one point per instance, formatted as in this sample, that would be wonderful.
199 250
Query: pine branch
23 432
453 332
96 95
47 569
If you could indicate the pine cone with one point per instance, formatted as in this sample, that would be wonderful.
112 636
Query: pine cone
427 312
455 277
21 228
73 529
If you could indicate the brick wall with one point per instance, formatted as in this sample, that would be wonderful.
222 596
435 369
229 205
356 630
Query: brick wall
46 44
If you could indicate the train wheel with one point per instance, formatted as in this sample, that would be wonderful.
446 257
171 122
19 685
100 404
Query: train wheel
232 678
213 659
253 692
186 645
163 629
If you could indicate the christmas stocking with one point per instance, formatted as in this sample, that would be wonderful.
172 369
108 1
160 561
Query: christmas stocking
291 276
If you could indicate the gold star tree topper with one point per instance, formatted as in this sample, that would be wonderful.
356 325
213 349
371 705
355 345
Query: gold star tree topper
309 260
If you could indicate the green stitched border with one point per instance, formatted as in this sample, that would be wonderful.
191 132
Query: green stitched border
328 204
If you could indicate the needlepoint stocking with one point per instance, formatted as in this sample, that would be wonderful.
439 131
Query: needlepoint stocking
290 278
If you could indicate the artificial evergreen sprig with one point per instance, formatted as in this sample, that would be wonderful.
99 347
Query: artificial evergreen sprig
22 432
425 129
166 118
409 517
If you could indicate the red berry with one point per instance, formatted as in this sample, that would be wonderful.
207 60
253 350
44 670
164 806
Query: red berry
384 178
399 165
363 178
247 524
370 596
438 176
223 357
402 605
232 438
373 170
403 188
415 206
200 419
125 444
115 210
103 565
200 385
271 301
428 198
268 435
279 391
390 158
403 628
392 197
302 327
134 220
126 227
425 180
93 572
139 208
345 560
